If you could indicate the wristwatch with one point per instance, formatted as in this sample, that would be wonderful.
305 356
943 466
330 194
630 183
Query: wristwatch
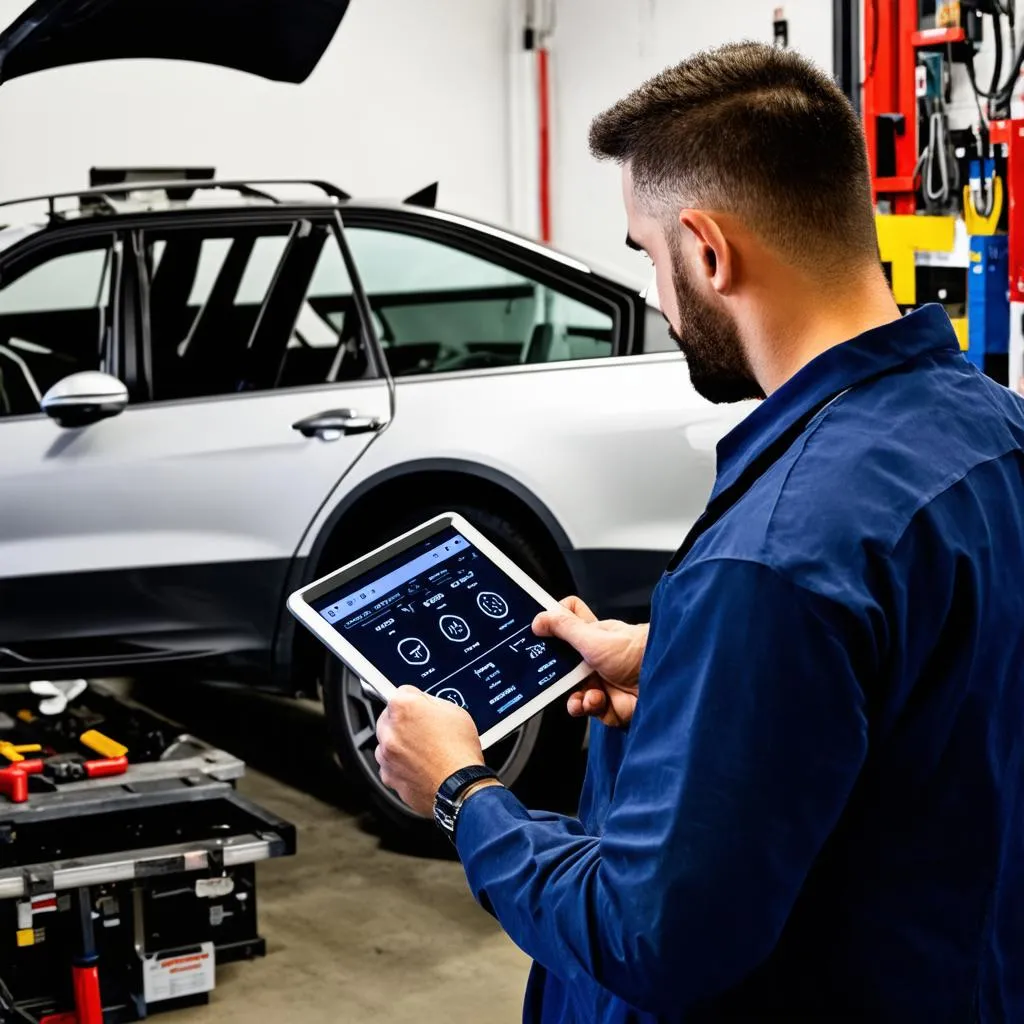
451 793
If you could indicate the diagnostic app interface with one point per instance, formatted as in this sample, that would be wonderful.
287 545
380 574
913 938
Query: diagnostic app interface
445 618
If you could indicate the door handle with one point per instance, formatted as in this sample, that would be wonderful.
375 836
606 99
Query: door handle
335 422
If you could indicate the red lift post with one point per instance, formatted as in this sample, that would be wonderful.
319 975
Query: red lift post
890 100
1011 134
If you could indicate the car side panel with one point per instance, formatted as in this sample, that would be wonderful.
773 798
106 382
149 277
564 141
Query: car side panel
166 531
620 452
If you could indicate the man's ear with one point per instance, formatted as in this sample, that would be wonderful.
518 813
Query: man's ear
715 258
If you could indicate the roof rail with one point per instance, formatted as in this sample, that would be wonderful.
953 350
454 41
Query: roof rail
183 188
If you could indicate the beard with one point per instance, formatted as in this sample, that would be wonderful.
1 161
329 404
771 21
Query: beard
710 341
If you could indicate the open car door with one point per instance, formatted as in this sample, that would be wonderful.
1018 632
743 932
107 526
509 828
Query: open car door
282 40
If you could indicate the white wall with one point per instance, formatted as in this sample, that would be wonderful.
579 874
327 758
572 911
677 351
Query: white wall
409 92
604 48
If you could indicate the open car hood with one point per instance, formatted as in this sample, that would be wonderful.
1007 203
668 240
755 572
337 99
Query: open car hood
281 40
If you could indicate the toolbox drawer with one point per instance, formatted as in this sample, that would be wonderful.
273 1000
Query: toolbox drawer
166 870
204 815
157 916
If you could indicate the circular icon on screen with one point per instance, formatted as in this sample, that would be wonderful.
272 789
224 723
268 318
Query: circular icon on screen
413 651
492 604
453 695
454 627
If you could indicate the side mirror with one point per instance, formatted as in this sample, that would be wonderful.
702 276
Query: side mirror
84 398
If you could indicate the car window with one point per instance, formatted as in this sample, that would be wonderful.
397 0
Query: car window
440 309
249 309
324 345
54 318
656 336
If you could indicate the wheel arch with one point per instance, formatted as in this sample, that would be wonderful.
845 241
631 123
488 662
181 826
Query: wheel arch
460 482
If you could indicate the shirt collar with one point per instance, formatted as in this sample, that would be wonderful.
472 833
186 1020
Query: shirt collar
875 352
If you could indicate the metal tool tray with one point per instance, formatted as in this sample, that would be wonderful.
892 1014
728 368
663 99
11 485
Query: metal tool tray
163 825
42 849
81 830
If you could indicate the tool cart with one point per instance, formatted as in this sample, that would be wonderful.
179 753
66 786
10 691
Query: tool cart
126 862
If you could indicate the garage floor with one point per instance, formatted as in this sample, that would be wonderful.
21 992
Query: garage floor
355 932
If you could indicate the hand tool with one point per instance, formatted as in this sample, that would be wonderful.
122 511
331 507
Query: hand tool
75 768
15 752
14 779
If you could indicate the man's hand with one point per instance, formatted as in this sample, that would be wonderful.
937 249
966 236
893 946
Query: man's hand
613 649
421 740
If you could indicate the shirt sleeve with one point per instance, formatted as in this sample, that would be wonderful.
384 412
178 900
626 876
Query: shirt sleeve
748 736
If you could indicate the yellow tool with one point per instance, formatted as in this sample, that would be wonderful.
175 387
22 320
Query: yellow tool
14 751
900 236
981 224
103 745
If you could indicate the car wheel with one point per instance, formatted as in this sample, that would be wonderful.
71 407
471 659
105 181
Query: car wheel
542 762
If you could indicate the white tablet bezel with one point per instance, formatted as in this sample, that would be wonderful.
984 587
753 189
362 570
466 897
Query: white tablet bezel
300 604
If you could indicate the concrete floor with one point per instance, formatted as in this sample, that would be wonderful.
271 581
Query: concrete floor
356 933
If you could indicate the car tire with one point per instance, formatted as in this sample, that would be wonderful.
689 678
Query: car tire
542 762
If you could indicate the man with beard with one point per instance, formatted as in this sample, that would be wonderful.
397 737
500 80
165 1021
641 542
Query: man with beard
805 793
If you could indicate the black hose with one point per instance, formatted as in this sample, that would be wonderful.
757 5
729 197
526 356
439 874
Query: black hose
940 170
973 77
997 67
999 94
969 64
1001 107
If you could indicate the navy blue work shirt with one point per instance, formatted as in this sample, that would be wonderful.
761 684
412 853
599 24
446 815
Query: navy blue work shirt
817 812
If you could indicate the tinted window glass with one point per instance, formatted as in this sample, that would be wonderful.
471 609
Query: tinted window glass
656 336
54 319
249 310
324 345
440 309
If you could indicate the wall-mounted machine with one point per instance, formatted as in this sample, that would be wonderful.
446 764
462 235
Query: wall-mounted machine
946 149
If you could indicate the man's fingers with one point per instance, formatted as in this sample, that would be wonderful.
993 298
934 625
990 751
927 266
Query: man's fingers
587 702
557 620
563 624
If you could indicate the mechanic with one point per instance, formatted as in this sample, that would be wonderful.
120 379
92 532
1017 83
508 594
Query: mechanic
805 792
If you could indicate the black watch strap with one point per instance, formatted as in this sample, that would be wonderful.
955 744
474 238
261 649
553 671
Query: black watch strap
448 802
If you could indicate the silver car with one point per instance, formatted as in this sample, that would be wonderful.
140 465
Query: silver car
213 393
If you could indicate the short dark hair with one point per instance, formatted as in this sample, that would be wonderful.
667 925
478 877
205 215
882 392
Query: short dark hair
757 131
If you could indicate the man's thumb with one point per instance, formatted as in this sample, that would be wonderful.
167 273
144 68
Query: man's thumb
560 623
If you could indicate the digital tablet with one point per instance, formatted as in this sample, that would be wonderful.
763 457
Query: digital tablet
442 609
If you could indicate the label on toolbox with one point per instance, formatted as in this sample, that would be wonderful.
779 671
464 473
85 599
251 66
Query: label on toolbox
172 975
211 888
46 903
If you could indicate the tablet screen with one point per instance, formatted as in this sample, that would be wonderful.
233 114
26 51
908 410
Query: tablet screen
443 617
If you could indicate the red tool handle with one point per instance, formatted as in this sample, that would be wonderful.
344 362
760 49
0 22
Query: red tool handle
106 766
88 1005
14 779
